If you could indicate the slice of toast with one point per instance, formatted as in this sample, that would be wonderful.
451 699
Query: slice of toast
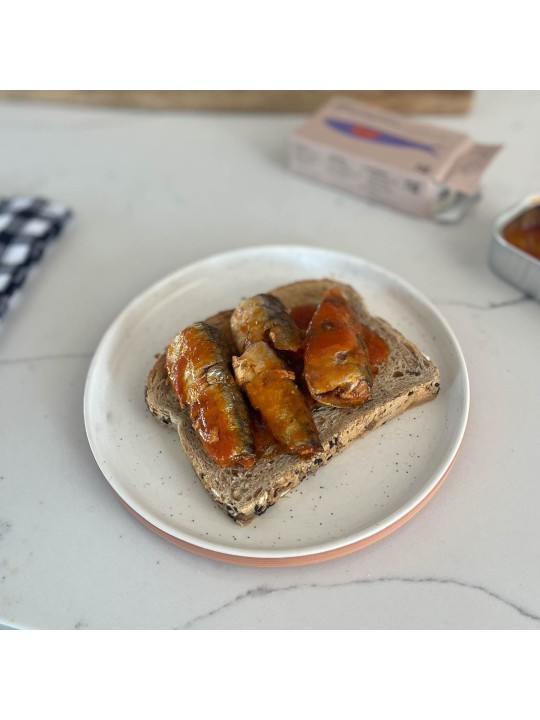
406 379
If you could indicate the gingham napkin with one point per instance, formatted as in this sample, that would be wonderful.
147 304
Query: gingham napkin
27 226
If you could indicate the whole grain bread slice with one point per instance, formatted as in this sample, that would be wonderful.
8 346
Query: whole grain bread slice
406 379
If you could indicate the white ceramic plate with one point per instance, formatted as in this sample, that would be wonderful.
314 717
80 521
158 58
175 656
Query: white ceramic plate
364 493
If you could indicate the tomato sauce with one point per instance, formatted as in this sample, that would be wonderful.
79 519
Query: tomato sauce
524 232
265 445
377 348
302 315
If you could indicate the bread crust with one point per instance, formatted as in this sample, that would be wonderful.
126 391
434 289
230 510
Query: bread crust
408 378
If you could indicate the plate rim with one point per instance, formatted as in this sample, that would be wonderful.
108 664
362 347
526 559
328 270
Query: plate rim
274 556
292 560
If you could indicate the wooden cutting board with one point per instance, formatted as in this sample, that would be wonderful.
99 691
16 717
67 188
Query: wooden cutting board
405 101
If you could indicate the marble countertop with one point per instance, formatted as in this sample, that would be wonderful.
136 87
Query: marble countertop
153 191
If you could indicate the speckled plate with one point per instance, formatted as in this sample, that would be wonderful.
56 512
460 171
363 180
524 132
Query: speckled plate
364 493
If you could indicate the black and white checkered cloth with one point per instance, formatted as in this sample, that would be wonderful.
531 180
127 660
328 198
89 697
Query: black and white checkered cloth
27 226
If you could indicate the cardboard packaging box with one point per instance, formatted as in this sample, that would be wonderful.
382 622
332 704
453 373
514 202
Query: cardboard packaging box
414 167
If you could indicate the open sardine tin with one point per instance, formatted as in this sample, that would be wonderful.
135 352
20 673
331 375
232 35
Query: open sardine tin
509 262
383 156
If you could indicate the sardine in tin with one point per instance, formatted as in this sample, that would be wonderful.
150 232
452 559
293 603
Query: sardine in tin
509 262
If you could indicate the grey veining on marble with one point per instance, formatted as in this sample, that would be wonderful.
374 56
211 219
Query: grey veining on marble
154 191
263 591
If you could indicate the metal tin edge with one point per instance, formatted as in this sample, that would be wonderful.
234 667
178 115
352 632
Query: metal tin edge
505 217
509 262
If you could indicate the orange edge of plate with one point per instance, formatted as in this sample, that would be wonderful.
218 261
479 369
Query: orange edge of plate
299 559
